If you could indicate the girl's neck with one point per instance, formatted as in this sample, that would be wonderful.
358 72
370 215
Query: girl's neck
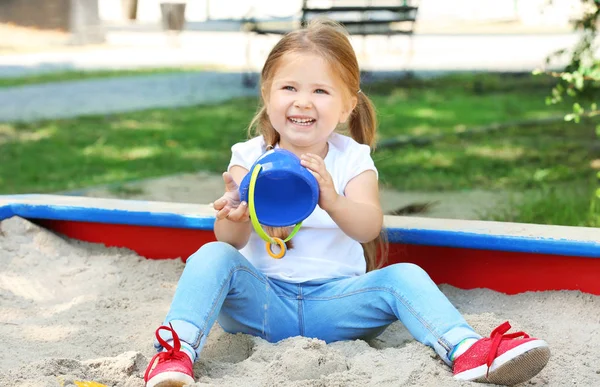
317 149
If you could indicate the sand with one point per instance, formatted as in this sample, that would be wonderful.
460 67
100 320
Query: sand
74 312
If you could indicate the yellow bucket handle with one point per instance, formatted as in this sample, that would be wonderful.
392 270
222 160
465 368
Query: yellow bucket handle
270 241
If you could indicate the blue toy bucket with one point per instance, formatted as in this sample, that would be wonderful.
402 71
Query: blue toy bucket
285 192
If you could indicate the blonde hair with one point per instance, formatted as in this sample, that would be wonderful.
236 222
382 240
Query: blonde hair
329 40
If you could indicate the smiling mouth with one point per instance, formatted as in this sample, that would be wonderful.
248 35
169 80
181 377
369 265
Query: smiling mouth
302 121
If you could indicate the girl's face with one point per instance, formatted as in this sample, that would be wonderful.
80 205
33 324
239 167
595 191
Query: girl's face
305 102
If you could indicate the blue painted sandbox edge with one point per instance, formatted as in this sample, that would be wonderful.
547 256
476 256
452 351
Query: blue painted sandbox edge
5 212
510 243
110 216
417 236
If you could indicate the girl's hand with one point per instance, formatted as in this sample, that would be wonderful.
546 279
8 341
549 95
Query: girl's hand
327 193
229 205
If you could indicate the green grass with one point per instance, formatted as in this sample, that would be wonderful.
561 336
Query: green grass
514 158
67 76
75 153
58 155
571 205
458 102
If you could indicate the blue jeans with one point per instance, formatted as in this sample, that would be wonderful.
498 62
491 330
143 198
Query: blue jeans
218 283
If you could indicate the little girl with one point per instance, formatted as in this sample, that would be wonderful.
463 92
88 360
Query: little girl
329 285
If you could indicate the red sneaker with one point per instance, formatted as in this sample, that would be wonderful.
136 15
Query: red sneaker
502 359
172 368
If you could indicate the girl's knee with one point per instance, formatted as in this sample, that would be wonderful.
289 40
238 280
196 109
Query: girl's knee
406 273
215 248
216 253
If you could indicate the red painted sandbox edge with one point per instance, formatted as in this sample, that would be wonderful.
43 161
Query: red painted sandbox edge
502 271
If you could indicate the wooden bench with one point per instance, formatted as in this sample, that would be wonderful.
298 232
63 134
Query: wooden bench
359 17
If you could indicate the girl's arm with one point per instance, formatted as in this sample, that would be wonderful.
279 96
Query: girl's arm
233 222
359 213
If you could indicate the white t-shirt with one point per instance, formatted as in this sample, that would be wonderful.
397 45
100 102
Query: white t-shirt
321 250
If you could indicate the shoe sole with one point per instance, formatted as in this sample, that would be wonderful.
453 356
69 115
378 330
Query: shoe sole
513 367
170 379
